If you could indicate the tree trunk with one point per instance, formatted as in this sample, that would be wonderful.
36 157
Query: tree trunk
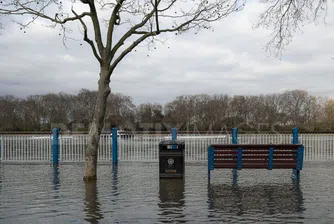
96 127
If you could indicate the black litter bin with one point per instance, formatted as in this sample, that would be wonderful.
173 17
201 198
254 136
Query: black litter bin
171 159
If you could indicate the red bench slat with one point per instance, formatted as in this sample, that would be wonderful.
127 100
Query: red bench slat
255 152
255 146
255 161
275 161
256 165
293 156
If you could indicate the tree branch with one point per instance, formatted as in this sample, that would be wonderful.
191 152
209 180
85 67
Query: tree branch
128 50
168 7
112 21
198 17
130 32
156 15
141 39
97 28
23 10
89 41
285 18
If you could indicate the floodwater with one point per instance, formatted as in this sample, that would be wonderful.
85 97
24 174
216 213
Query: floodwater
133 193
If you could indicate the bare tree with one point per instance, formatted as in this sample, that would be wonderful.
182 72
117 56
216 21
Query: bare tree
9 113
329 113
180 112
312 111
149 116
275 110
82 109
205 112
33 114
199 112
219 108
140 21
284 17
57 110
120 111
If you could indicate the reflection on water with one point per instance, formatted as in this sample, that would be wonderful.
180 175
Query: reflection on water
115 191
91 201
171 195
1 177
56 181
133 193
263 199
92 204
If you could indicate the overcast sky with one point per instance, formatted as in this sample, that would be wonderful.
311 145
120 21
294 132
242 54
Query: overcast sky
230 60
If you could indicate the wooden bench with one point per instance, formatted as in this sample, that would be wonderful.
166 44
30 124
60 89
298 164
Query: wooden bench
256 156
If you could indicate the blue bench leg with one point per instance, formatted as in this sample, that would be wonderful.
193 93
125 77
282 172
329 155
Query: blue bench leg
235 176
296 173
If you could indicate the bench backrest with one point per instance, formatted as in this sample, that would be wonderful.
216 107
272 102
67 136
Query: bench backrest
256 156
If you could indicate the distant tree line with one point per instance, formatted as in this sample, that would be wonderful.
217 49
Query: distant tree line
193 113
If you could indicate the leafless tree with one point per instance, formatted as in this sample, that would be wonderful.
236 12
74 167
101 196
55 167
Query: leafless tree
9 117
312 112
57 110
218 105
329 113
82 109
120 111
149 116
180 112
32 113
195 113
275 109
285 17
129 23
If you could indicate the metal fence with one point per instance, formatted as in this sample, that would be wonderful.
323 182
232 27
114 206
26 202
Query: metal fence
144 147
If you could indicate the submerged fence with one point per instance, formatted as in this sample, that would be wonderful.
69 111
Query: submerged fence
144 147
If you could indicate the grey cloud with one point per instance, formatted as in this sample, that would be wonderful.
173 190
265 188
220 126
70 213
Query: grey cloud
230 60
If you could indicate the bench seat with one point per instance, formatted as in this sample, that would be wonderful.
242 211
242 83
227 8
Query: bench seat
255 156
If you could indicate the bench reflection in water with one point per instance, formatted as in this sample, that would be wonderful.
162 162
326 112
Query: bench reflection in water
267 199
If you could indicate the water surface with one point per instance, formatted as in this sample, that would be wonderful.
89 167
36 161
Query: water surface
133 193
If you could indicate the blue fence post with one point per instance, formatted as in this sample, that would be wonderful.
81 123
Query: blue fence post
234 135
55 146
2 148
174 133
295 133
174 136
114 146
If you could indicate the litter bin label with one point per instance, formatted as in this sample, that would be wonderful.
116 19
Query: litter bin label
172 147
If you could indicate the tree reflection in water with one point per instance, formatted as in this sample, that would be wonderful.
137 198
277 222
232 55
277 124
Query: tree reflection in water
92 204
1 177
172 203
